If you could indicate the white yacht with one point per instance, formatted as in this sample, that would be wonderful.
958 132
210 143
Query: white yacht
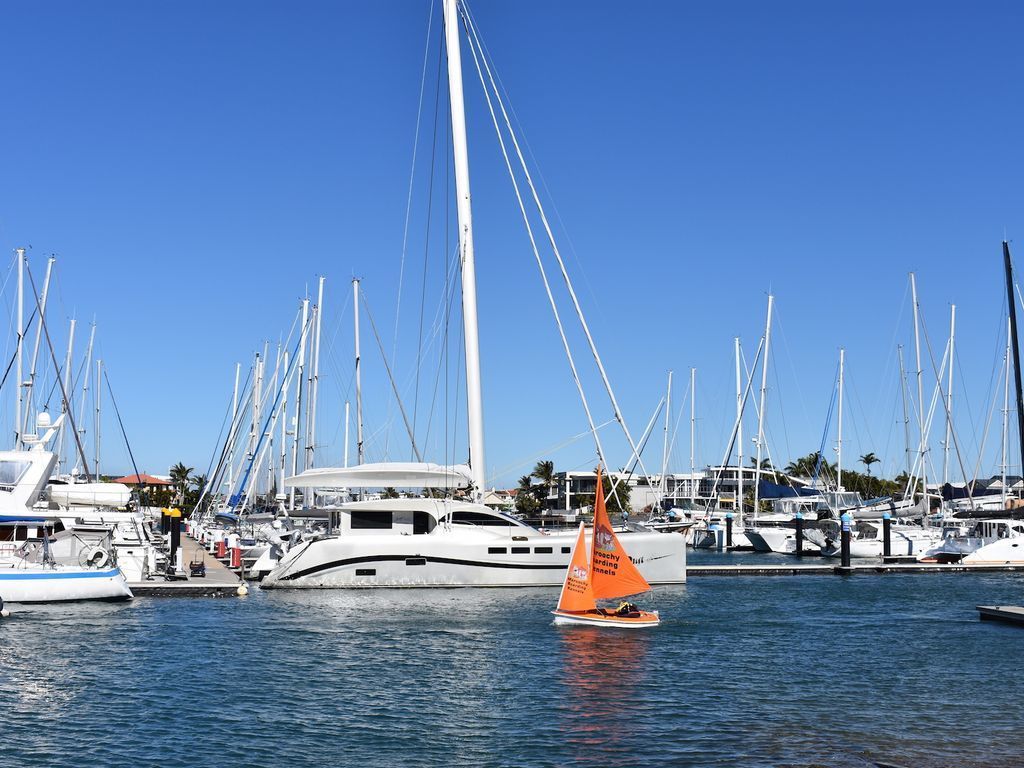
427 542
996 541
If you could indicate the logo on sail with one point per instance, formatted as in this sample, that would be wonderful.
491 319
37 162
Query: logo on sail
605 540
579 573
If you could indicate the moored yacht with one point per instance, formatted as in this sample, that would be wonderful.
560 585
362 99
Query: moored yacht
443 542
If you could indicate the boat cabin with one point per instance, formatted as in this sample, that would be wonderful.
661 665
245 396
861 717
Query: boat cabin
417 516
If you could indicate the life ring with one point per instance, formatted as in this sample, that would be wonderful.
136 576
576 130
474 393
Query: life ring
97 557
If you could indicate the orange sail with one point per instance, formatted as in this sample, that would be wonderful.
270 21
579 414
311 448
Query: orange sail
577 595
612 572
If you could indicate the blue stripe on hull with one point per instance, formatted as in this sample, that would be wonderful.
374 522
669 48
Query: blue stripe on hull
15 576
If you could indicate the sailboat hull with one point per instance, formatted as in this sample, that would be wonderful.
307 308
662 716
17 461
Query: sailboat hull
643 619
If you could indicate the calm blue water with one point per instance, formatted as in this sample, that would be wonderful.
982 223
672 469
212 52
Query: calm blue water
783 671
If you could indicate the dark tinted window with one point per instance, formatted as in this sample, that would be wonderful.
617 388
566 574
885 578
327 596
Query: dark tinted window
496 551
566 550
542 550
520 550
366 571
479 518
363 519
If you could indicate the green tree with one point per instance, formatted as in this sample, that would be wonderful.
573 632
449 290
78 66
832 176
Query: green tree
181 478
867 460
390 493
526 497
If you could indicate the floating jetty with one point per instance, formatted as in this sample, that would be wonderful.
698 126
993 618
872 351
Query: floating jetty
219 580
1009 614
830 570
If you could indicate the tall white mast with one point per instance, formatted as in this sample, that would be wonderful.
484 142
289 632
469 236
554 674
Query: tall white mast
663 485
1006 416
920 396
839 436
85 388
906 416
19 375
311 432
296 424
949 395
65 405
693 430
346 434
284 428
760 408
460 152
739 435
234 419
26 417
98 399
359 386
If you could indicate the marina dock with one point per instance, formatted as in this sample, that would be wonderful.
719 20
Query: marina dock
219 580
830 570
1009 614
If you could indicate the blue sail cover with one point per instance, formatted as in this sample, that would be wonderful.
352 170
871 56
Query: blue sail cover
766 489
951 492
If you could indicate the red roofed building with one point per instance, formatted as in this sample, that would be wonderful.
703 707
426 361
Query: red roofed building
147 481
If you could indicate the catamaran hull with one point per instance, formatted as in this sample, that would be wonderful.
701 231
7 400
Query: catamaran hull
645 620
445 561
48 585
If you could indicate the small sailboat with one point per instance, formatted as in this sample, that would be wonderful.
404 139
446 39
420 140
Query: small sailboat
607 575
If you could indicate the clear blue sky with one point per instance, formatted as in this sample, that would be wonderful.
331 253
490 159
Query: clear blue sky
196 165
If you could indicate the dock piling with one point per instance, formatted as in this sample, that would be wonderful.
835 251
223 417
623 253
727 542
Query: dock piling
728 530
886 535
799 534
844 541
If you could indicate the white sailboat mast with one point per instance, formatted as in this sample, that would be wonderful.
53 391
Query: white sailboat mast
906 416
1006 417
19 375
234 420
920 394
85 392
839 435
693 430
739 435
98 400
663 485
65 405
283 463
760 408
296 424
949 396
359 385
460 152
311 432
346 434
26 417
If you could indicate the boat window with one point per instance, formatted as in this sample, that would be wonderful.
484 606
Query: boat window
542 550
370 519
422 522
520 550
480 518
497 551
566 550
11 472
366 571
415 561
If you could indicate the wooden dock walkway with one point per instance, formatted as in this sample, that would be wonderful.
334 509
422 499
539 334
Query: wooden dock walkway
219 580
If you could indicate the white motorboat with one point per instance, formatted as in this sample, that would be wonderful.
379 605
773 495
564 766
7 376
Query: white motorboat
868 540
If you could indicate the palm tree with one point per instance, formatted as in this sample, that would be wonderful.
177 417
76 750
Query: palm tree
867 460
181 477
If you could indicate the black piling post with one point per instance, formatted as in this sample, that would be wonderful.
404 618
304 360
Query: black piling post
728 529
845 540
165 522
799 534
174 522
886 535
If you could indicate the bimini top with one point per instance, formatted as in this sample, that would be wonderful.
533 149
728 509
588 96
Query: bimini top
389 474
